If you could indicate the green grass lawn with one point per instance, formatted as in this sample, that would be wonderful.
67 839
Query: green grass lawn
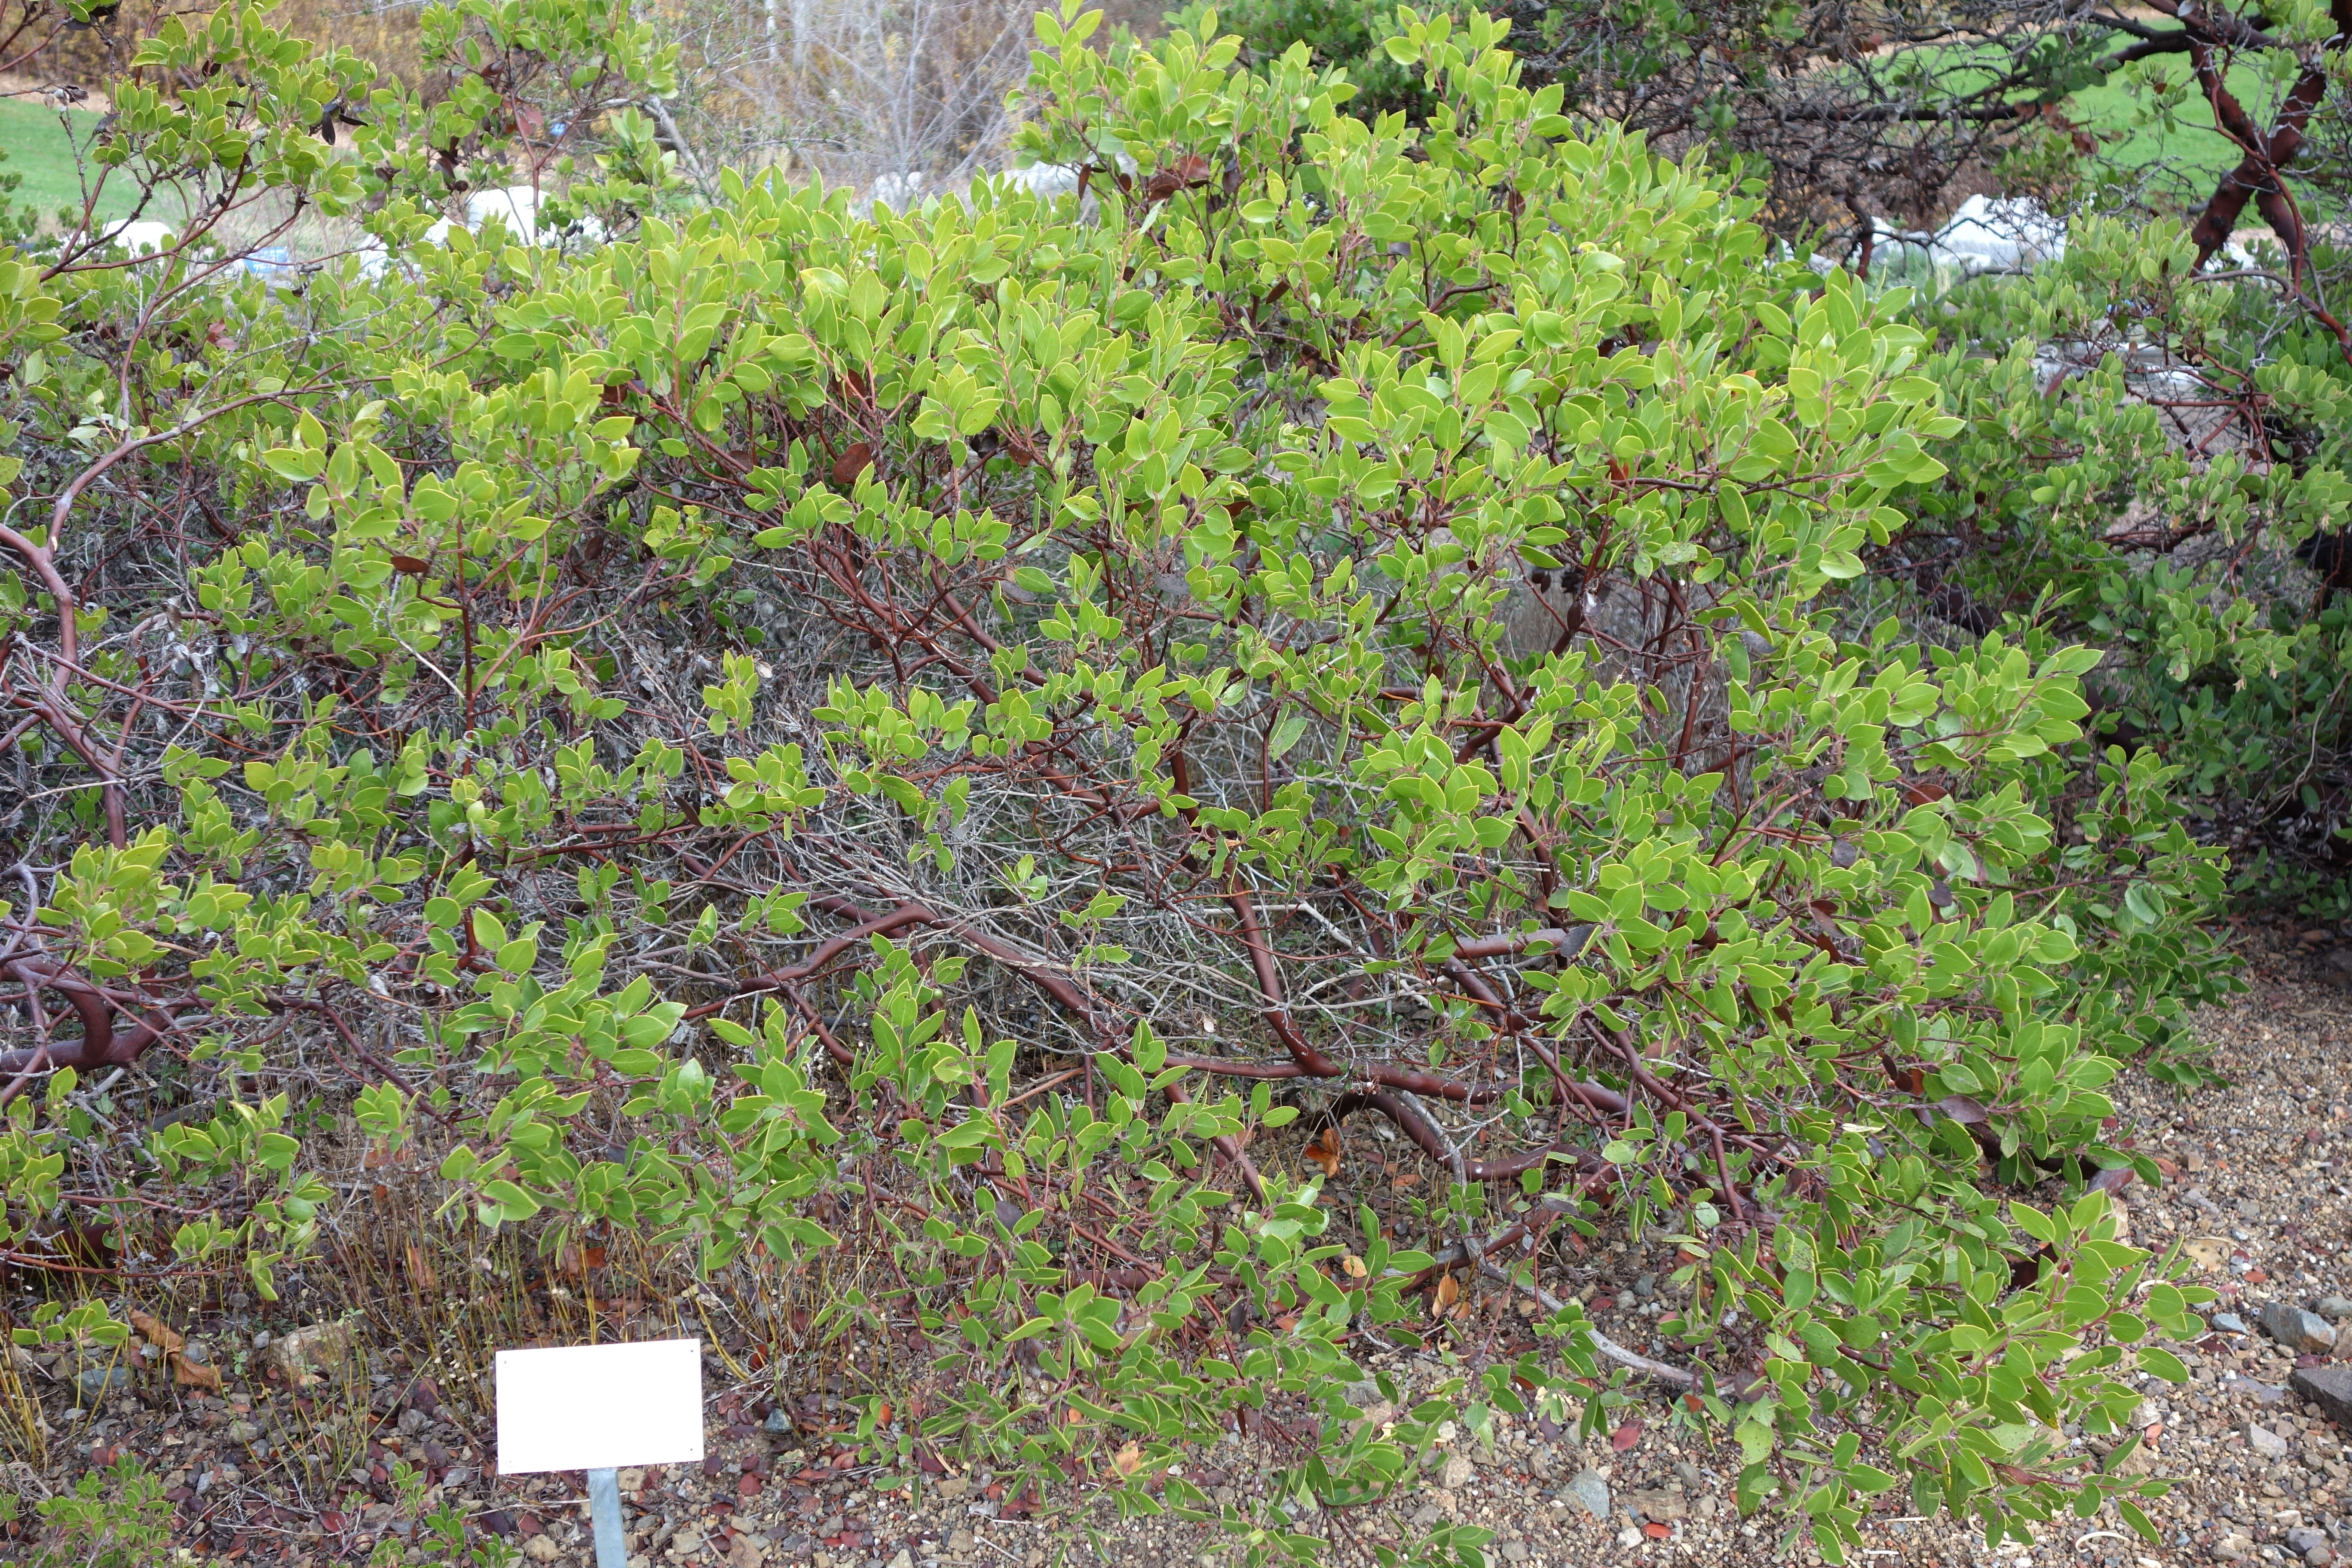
2179 166
42 150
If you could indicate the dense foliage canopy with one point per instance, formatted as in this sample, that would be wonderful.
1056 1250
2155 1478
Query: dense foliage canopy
1337 619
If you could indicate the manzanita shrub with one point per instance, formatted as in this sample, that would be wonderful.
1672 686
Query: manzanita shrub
979 711
2156 463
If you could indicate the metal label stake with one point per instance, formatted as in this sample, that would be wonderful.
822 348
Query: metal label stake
598 1407
605 1512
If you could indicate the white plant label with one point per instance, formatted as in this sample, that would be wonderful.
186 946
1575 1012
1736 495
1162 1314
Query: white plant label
598 1407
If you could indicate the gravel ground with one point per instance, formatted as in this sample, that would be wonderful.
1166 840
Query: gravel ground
2258 1196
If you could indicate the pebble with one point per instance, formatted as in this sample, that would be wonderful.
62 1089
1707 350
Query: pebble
2334 1309
778 1423
2265 1442
100 1380
1663 1505
2227 1324
1513 1551
2297 1328
243 1431
1589 1491
2252 1388
1456 1473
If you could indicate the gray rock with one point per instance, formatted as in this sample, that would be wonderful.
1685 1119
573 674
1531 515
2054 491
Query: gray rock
1512 1550
2252 1388
2296 1329
778 1422
1456 1473
1646 1286
1589 1491
98 1381
1687 1473
243 1431
2227 1324
2303 1538
2265 1443
2334 1309
2329 1387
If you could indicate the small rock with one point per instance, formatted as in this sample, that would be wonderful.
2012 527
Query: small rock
2227 1324
1664 1505
2334 1309
1687 1473
243 1431
1512 1550
962 1539
98 1381
905 1559
1629 1537
1646 1286
2254 1389
778 1423
1590 1491
1456 1473
1426 1516
302 1354
541 1549
2265 1442
2329 1387
947 1488
631 1480
2297 1328
2303 1538
1378 1414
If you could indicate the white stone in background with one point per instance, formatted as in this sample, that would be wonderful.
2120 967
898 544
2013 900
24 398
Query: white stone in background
901 192
1984 235
1987 235
1047 181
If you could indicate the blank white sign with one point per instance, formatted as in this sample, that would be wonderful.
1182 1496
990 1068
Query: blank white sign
597 1408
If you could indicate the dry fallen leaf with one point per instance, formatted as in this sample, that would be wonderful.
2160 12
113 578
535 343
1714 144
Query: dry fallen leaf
2208 1252
1449 1290
1353 1267
194 1373
1127 1461
1625 1436
1323 1150
1404 1179
421 1274
156 1332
